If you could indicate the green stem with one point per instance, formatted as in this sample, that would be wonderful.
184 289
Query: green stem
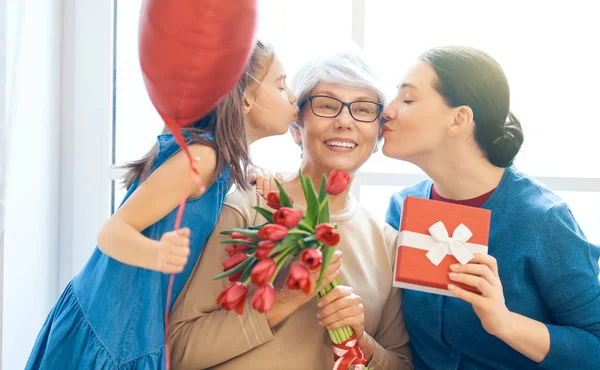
303 225
341 334
349 332
299 232
336 336
283 254
279 266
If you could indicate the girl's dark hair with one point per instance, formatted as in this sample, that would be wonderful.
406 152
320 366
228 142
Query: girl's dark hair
226 122
468 76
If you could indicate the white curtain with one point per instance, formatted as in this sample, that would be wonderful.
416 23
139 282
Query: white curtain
3 149
30 109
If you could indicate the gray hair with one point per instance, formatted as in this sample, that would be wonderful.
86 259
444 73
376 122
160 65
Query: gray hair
346 68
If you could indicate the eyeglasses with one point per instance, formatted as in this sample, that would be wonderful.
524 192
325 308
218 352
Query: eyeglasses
328 107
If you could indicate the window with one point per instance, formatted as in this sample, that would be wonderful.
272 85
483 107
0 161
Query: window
548 52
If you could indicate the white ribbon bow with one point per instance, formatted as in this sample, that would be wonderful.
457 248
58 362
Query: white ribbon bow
445 244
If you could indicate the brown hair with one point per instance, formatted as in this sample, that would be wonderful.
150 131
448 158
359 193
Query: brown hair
226 122
468 76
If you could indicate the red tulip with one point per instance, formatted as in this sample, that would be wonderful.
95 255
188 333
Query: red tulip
272 232
240 236
233 297
327 234
234 260
235 277
273 200
263 298
234 248
288 217
311 257
337 182
264 249
299 278
263 272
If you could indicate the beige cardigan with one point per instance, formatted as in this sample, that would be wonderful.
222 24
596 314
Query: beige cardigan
202 335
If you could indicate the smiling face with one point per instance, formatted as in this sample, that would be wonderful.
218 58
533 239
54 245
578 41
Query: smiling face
341 142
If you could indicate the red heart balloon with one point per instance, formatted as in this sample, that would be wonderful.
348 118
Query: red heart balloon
192 53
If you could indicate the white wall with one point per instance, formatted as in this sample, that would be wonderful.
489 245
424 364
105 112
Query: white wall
33 90
58 86
3 150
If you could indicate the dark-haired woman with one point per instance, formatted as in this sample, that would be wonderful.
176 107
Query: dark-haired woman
539 305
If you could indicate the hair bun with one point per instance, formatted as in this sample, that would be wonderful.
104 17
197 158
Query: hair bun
503 150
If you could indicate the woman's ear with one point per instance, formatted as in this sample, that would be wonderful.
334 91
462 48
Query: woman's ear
463 119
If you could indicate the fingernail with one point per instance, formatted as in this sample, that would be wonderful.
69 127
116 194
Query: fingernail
455 267
451 287
453 275
321 323
318 316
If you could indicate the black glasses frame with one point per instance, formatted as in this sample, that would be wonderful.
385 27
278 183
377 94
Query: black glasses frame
343 104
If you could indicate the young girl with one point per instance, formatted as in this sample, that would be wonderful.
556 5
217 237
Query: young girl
111 314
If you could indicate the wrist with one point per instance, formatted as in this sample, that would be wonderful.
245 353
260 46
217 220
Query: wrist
285 304
367 345
151 259
506 326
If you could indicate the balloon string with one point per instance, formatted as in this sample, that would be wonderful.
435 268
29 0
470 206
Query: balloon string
192 174
184 147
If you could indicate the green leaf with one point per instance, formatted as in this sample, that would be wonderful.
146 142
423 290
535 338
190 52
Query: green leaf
284 198
327 255
310 242
309 239
299 232
324 212
303 183
265 213
312 204
236 241
306 227
323 191
248 269
285 244
237 268
246 232
226 232
257 227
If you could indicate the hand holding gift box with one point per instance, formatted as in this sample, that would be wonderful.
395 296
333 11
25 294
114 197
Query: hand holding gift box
433 236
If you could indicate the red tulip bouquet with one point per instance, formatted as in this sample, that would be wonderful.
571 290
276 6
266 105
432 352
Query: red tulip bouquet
258 253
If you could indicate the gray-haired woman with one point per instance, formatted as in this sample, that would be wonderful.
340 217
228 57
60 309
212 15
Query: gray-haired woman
338 128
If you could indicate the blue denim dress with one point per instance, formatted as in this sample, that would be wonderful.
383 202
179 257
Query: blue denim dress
110 316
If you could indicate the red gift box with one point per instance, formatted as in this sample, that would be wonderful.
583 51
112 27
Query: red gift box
433 236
